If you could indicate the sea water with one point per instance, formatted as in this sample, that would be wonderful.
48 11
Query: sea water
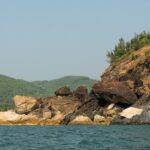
75 137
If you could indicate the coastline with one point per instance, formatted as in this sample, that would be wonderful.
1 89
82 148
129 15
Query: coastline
122 96
13 119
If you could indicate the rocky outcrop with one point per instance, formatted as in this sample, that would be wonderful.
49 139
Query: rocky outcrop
134 72
133 69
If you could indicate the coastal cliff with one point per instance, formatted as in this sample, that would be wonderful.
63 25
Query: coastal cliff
127 80
134 71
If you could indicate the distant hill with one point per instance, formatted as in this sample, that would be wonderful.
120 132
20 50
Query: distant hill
10 87
72 81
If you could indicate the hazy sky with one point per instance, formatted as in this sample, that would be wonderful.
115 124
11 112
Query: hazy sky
48 39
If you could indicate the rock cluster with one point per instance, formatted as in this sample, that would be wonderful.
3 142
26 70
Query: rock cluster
65 108
121 97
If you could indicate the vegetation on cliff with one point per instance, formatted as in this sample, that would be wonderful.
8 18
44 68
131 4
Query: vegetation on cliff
131 68
125 48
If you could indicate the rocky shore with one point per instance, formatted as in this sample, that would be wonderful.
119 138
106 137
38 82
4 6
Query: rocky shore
122 96
66 108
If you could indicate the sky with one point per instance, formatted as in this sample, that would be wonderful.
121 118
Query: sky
49 39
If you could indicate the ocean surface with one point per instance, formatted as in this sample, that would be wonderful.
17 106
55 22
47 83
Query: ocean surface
75 137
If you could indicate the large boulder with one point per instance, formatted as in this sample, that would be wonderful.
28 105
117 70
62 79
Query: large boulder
62 104
25 104
131 112
81 92
63 91
114 92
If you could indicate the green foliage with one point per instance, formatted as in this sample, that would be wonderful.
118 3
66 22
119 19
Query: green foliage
123 48
10 87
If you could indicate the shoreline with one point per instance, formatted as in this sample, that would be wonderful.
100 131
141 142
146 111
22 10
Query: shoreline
10 118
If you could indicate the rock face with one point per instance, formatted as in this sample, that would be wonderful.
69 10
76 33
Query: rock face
64 91
25 104
114 92
135 72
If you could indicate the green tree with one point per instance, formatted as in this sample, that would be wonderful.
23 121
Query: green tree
123 48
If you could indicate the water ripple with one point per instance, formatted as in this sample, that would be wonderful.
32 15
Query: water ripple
75 138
